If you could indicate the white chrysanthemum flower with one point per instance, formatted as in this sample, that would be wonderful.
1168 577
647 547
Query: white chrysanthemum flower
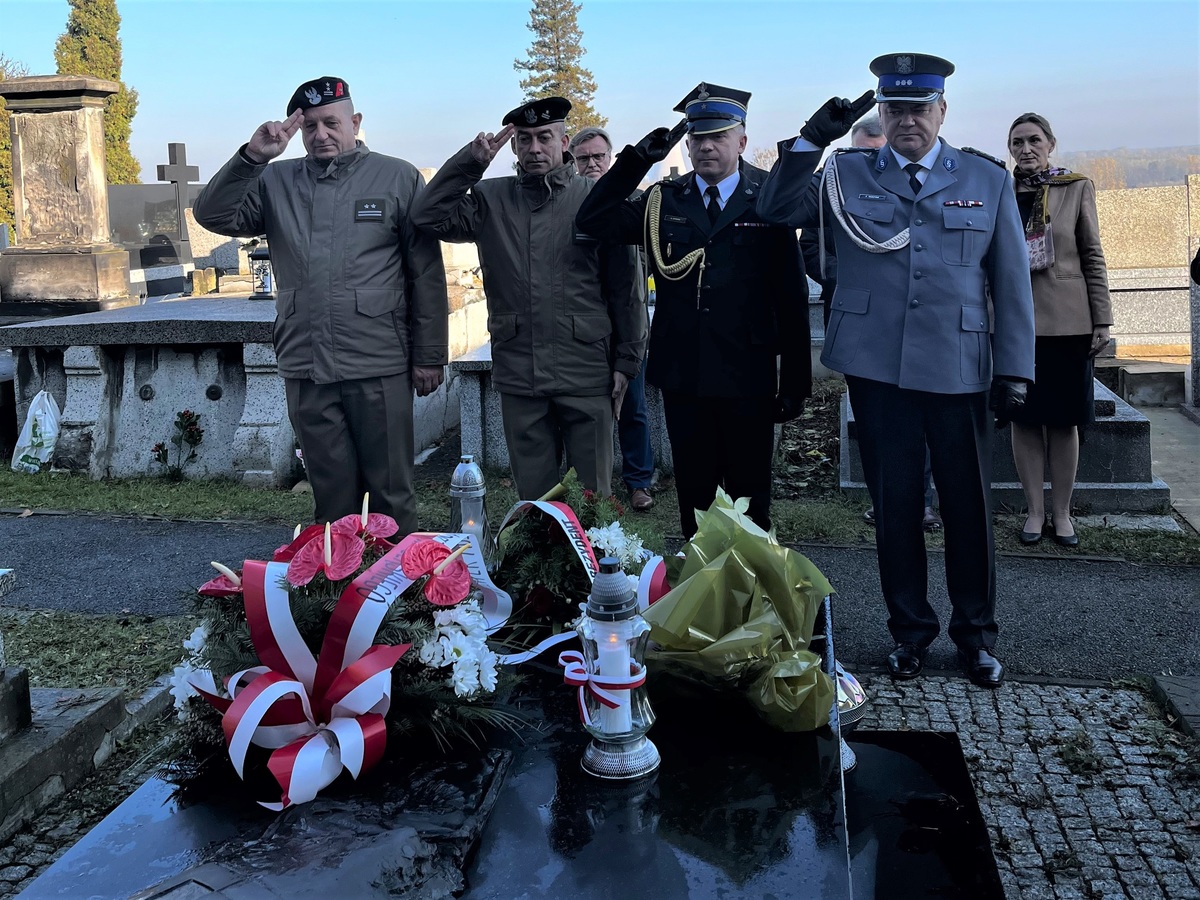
195 643
487 672
181 688
431 653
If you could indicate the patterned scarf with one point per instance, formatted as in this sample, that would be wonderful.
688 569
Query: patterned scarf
1054 175
1037 226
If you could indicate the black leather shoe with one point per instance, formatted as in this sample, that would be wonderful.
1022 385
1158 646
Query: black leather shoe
1029 538
982 668
1066 540
906 661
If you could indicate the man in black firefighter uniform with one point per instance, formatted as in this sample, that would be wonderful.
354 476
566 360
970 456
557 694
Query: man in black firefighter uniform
729 345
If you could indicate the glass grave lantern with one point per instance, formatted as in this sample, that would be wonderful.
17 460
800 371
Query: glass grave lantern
616 711
468 505
262 276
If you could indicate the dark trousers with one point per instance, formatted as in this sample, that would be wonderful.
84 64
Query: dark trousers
538 429
723 442
357 437
633 430
894 427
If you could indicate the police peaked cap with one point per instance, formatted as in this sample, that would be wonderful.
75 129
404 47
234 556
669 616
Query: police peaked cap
910 77
710 108
319 92
545 111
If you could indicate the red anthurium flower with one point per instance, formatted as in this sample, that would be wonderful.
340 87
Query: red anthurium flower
377 530
341 560
227 584
448 587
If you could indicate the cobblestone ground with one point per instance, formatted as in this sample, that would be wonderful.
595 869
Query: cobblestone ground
1086 791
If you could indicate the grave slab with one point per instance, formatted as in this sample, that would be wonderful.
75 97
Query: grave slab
1180 695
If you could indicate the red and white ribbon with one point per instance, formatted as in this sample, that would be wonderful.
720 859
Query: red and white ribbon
605 688
566 519
317 716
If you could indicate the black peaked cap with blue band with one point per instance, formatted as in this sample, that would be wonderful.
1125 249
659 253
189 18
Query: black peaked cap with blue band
910 77
711 108
535 113
319 92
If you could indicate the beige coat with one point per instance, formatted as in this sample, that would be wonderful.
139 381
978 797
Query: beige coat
1071 297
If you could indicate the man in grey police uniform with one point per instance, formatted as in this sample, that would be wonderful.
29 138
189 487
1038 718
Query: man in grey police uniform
362 314
926 235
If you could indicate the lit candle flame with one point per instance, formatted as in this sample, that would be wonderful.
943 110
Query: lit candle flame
227 572
328 547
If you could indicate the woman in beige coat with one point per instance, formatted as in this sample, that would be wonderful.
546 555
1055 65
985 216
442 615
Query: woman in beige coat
1072 315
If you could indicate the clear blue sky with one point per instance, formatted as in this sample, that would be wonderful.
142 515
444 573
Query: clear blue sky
427 76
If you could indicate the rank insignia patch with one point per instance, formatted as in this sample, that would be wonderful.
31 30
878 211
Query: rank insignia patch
370 210
950 164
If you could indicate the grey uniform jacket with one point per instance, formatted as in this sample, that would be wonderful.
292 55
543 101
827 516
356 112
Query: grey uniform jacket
564 310
919 317
361 293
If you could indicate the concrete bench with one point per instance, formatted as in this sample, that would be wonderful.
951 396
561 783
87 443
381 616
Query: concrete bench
483 430
9 427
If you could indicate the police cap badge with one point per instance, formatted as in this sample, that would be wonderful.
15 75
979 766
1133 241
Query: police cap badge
318 92
910 77
710 108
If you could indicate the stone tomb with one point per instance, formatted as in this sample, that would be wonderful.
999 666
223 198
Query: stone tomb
1114 462
736 811
60 196
121 376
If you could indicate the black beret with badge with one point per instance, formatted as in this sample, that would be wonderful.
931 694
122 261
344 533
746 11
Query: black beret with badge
319 92
910 77
545 111
711 108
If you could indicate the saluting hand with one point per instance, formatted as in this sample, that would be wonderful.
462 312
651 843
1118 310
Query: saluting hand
485 146
655 146
272 138
834 118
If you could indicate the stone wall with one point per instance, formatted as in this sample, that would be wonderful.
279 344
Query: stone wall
1145 228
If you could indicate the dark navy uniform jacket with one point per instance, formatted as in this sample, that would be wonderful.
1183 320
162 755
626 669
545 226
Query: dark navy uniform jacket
722 334
941 314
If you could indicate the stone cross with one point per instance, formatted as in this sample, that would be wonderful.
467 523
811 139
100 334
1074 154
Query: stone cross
179 173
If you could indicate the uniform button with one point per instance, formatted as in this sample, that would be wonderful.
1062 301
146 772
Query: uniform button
919 247
983 324
919 222
969 222
704 310
918 275
915 303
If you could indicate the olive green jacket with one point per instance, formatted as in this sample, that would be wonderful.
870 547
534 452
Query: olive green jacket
361 293
564 310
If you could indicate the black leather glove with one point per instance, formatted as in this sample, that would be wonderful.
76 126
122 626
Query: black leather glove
833 120
655 146
788 407
1007 396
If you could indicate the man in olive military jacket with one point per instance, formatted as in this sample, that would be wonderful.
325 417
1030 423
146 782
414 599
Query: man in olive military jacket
564 310
361 314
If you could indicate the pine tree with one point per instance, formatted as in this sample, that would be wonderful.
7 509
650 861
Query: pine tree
9 68
90 46
553 64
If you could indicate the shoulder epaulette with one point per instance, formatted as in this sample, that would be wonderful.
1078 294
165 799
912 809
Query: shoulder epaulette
986 156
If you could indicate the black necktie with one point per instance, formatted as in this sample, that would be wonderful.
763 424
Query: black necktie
714 203
912 169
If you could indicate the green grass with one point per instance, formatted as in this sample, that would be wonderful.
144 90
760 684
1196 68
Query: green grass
75 650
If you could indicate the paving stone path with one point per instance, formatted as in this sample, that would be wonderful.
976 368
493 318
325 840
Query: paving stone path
1086 791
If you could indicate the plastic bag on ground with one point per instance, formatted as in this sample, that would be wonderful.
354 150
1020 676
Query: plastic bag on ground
35 444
